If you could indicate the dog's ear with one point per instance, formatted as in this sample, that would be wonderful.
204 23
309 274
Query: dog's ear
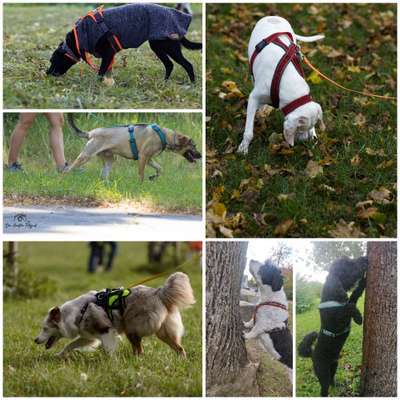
277 281
55 314
291 125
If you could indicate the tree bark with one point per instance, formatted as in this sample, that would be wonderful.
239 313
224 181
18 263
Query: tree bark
12 266
379 367
226 351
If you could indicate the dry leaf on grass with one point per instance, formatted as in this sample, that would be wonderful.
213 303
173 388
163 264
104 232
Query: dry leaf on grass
346 230
313 169
283 227
381 196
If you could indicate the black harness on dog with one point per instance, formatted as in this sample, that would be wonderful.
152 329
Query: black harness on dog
110 300
332 304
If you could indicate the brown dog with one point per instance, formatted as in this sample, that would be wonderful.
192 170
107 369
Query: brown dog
108 142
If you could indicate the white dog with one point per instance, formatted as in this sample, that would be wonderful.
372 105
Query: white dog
270 319
271 41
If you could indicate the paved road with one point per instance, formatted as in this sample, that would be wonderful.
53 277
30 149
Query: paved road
98 223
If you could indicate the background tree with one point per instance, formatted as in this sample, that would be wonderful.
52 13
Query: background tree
11 273
379 367
324 253
226 359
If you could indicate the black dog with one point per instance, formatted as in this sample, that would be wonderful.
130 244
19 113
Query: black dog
103 33
336 312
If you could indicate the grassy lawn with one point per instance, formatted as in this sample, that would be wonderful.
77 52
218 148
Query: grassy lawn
30 370
178 189
349 369
349 187
32 33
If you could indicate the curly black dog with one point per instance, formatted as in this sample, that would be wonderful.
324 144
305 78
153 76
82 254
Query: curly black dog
336 312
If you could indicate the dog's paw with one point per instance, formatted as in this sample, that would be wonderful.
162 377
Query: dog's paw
152 177
358 319
108 81
243 147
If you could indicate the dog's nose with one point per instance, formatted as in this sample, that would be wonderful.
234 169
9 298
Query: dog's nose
37 340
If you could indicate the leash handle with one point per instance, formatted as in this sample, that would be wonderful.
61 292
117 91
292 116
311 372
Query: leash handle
368 94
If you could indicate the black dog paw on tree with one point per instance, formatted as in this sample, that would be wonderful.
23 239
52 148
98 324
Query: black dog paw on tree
379 366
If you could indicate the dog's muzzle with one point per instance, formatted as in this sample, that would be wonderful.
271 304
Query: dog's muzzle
191 155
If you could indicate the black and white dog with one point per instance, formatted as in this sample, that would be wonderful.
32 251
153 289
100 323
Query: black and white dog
103 33
270 319
336 312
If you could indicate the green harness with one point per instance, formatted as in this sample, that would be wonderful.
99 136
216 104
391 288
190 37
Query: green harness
112 299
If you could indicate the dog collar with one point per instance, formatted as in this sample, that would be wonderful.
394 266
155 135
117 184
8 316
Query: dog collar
69 53
291 55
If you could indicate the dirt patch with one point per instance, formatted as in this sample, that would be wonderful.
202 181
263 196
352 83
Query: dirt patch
141 207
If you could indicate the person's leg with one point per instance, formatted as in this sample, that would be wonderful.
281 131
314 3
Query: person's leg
111 255
17 138
56 121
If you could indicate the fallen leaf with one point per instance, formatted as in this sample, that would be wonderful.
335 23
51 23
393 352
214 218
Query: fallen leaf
381 196
372 213
355 160
226 232
314 78
372 152
385 164
283 227
313 169
346 230
285 197
364 203
359 120
219 209
354 69
327 188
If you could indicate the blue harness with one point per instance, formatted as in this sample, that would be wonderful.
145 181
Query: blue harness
132 140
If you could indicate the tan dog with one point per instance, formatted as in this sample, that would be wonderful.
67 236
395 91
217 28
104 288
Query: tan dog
108 142
147 311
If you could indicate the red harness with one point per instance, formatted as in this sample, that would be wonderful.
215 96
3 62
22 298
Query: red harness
268 303
291 55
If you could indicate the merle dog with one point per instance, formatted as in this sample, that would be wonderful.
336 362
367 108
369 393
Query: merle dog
103 33
336 312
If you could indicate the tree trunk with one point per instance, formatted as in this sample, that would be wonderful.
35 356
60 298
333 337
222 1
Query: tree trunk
12 266
226 351
379 367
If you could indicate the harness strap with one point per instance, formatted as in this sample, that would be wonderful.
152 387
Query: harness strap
268 303
331 304
333 334
160 134
291 54
97 16
296 104
132 142
112 299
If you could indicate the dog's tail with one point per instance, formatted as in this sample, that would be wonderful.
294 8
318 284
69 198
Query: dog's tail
305 347
309 38
71 122
191 45
177 291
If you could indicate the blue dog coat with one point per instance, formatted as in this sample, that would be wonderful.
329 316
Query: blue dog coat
132 24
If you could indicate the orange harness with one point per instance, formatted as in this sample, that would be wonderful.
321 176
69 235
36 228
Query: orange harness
97 16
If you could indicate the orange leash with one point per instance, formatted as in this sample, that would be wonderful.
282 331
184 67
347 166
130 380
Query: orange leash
308 63
191 260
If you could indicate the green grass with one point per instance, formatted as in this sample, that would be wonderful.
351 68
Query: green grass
356 126
30 370
348 373
32 33
178 189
